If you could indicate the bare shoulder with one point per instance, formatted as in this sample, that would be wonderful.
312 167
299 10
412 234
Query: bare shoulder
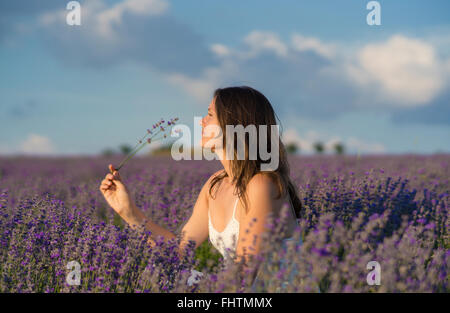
262 184
207 185
216 173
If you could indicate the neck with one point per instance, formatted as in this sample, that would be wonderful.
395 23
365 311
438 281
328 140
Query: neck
226 164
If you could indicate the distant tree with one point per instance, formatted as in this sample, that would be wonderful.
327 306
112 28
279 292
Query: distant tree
292 148
319 147
107 152
125 149
339 148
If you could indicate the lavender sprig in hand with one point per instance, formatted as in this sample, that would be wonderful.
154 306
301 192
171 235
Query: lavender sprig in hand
156 129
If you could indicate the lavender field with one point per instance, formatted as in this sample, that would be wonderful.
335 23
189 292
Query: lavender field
389 209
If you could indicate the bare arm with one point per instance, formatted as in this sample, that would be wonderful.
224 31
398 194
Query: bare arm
196 228
261 194
136 217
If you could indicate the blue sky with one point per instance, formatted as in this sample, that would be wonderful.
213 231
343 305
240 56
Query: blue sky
329 76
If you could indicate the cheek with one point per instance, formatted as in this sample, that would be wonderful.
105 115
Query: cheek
206 131
210 135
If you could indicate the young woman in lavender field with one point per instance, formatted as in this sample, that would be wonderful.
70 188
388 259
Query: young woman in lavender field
234 217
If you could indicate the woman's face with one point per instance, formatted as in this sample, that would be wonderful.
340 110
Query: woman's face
211 120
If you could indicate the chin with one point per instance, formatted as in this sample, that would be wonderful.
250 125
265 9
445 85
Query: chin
203 144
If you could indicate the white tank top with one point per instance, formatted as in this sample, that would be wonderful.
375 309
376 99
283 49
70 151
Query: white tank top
225 241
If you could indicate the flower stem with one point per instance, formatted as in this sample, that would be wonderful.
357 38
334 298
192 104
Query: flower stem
138 149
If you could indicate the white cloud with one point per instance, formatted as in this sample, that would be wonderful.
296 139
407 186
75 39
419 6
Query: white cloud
34 144
302 43
403 71
446 69
399 72
306 142
220 50
330 79
140 31
103 19
258 41
107 18
37 145
231 66
202 88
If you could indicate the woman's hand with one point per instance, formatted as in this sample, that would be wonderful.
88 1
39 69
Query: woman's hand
115 193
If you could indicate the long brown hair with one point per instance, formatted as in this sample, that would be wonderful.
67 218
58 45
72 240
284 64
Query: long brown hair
246 106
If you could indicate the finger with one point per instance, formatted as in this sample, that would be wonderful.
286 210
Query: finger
113 175
111 168
105 187
107 184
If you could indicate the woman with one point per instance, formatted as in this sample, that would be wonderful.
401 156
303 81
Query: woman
235 216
